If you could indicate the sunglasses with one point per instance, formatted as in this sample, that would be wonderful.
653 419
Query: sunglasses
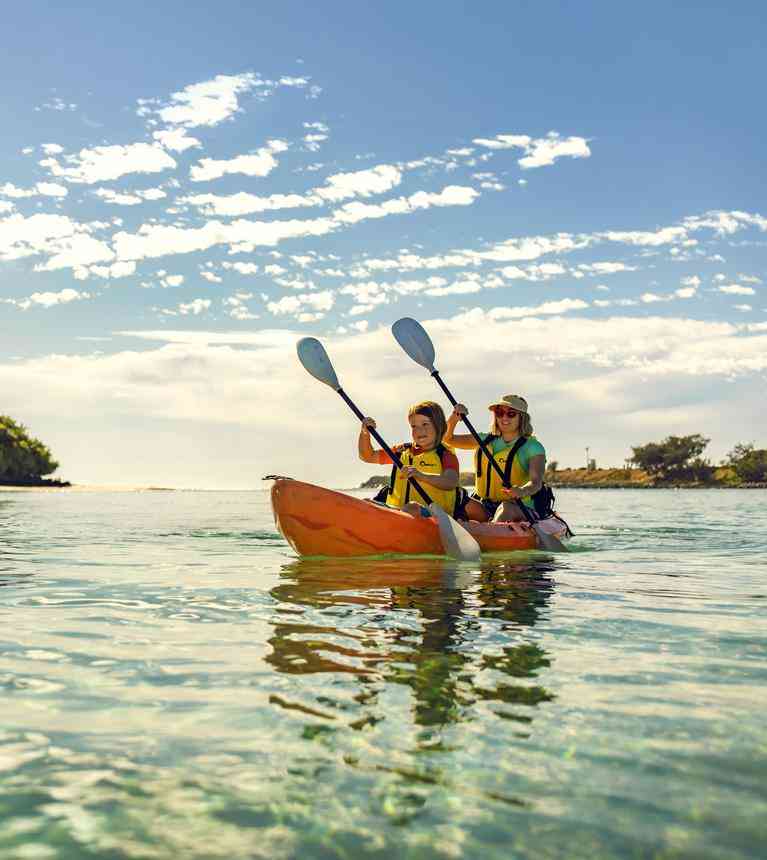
505 413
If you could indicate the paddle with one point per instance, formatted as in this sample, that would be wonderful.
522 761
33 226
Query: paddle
412 337
456 541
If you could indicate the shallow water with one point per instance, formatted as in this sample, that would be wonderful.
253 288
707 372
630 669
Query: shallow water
175 683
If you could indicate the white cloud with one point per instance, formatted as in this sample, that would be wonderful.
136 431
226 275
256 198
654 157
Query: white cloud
241 268
49 299
212 277
106 163
452 195
663 236
175 139
41 189
208 102
172 281
296 305
547 308
545 152
340 186
25 237
260 163
458 288
195 307
359 183
74 252
540 152
51 148
737 290
154 240
116 270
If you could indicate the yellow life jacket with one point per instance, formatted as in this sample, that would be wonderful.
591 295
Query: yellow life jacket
487 483
401 491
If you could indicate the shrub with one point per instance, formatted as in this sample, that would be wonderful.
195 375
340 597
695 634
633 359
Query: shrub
676 458
749 463
22 457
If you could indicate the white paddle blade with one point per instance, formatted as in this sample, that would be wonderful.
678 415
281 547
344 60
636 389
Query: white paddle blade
311 353
456 541
412 337
549 542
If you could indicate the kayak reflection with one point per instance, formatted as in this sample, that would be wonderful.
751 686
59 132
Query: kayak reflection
456 636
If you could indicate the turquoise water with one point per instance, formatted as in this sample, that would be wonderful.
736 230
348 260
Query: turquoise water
175 683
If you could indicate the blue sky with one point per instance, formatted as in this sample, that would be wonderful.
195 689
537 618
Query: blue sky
570 197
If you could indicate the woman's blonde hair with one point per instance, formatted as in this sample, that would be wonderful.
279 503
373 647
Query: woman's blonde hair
433 411
525 424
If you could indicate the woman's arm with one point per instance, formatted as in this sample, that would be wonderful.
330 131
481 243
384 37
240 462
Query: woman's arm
462 440
535 468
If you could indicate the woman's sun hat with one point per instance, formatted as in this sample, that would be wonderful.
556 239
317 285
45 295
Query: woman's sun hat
512 401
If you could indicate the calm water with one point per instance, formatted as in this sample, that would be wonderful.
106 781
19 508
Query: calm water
175 683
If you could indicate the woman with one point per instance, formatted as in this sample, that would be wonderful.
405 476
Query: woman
514 448
426 459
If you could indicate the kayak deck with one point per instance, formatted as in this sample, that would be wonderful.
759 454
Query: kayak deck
318 521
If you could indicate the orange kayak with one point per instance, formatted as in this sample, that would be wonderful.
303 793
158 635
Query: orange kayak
317 521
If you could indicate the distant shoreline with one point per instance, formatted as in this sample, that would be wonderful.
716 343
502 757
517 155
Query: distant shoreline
612 479
79 488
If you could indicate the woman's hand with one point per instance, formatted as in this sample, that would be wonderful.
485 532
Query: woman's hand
459 410
368 424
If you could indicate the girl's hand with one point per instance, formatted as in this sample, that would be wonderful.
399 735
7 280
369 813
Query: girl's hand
459 410
411 472
368 424
512 492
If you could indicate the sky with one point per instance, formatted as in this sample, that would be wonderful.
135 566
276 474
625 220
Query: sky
569 197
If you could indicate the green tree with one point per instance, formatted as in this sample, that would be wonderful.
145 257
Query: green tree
749 463
22 457
676 458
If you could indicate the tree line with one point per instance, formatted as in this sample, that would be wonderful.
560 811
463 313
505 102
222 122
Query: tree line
679 458
22 457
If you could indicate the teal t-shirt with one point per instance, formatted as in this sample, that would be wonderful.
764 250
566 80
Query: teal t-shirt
530 449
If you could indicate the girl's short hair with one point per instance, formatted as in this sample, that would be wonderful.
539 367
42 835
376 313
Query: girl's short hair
433 411
525 424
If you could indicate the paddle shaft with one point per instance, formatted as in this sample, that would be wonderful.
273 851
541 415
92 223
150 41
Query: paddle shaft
520 504
374 433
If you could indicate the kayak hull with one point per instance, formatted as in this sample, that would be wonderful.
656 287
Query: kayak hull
318 521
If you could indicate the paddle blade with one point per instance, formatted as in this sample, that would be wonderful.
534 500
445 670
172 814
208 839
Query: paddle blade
456 541
412 337
548 541
311 353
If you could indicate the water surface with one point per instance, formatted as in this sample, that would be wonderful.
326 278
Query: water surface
176 683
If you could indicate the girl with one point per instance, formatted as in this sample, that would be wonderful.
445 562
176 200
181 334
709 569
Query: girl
515 449
426 459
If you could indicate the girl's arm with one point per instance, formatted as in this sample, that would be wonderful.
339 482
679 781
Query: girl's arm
448 480
364 446
462 440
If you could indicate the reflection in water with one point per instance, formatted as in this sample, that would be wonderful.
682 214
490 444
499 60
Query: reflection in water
456 637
